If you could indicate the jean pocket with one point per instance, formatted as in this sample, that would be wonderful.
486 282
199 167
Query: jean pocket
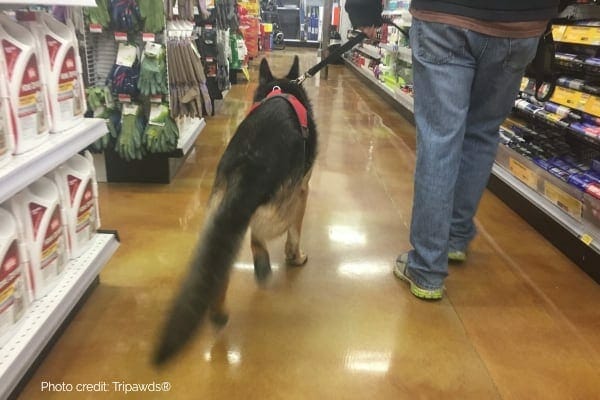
520 53
436 43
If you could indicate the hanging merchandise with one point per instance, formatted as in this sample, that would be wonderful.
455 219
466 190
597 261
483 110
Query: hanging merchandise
61 70
98 15
21 90
129 142
100 102
13 282
125 72
78 192
125 15
187 83
153 15
161 134
153 70
39 215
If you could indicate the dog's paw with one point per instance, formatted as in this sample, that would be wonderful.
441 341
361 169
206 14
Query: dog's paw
296 260
262 272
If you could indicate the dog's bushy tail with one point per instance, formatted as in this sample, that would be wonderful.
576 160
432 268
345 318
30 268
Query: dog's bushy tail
211 264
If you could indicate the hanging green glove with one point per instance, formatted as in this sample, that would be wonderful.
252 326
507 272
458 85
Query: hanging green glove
153 70
98 15
129 143
101 104
153 14
161 134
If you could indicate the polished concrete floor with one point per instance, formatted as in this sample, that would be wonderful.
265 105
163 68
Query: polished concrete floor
519 320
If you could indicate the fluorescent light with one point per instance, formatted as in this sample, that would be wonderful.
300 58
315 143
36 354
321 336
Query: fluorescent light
368 361
346 235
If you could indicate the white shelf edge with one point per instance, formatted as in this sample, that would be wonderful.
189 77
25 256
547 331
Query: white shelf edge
541 202
188 137
405 100
368 52
25 168
45 315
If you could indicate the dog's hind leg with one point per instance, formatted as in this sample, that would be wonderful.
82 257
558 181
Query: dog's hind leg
260 254
293 255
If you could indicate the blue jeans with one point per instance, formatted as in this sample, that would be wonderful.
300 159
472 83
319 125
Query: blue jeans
464 86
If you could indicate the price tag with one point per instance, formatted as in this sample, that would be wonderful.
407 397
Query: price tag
121 36
592 106
570 98
563 200
124 98
587 239
126 55
156 98
95 28
558 31
148 37
589 35
523 173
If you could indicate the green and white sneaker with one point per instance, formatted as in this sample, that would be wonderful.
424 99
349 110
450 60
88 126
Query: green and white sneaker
457 256
416 290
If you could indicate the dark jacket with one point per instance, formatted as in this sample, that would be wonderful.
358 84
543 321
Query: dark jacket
368 12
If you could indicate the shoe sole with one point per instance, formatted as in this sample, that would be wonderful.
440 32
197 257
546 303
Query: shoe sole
423 294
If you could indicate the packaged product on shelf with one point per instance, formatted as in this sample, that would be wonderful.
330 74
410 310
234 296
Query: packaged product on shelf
40 217
23 95
13 282
60 68
6 146
78 192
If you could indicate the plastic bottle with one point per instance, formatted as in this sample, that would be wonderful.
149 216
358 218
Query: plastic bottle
40 218
13 282
61 72
6 144
21 88
78 190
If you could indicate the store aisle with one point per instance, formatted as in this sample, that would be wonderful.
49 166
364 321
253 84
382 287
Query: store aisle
519 320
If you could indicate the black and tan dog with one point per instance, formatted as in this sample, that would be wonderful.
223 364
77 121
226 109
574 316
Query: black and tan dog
261 183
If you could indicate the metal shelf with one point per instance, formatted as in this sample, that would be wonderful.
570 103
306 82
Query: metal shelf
25 168
45 316
190 132
545 205
402 99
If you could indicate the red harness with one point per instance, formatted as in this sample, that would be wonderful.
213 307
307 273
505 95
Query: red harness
299 109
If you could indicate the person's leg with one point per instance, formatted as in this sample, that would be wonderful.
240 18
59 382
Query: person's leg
443 72
495 87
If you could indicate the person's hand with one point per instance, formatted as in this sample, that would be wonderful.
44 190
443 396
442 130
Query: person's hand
370 31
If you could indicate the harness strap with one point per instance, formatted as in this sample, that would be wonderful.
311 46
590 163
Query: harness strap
298 107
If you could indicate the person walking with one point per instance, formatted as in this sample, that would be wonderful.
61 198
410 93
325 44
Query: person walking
468 60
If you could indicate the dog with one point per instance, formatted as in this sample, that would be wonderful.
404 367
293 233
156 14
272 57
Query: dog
261 183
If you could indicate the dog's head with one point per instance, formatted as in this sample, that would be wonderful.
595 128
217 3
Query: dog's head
266 82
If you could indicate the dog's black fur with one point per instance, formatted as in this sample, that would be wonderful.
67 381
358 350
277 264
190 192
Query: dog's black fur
261 183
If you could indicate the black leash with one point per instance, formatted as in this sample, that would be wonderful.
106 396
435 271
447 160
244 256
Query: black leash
332 56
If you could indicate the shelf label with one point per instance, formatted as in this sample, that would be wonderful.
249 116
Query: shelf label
592 106
563 200
523 173
589 35
587 239
148 37
95 28
121 36
570 98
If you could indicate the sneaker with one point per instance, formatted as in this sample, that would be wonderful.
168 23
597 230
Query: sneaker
421 293
457 256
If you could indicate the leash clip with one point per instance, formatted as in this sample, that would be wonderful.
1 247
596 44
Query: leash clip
298 81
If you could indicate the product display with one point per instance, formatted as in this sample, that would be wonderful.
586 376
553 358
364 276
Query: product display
60 70
23 95
13 283
40 219
78 192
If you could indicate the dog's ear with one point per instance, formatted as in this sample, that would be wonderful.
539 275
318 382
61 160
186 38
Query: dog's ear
295 70
264 73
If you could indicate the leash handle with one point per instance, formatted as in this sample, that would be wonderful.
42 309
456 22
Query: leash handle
335 54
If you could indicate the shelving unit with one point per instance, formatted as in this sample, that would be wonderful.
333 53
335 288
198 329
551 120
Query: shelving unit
25 168
46 315
560 212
